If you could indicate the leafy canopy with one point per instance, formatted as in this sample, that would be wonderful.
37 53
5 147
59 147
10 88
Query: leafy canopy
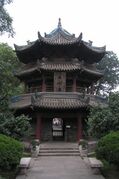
103 120
9 85
5 19
108 148
110 65
11 152
16 127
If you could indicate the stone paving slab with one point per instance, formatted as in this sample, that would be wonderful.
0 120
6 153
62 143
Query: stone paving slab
71 167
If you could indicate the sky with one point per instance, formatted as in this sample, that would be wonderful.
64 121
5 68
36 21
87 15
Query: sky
98 20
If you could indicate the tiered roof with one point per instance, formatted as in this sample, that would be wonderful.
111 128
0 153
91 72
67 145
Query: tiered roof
46 54
55 43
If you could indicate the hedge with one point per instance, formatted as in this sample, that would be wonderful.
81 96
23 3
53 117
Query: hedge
108 148
11 152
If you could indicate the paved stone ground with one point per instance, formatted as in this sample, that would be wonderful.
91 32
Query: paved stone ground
71 167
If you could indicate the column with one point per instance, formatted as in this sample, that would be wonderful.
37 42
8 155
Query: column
26 88
92 88
43 84
38 127
79 131
88 90
74 84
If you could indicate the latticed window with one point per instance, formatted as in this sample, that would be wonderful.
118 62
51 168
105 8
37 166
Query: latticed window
49 85
69 85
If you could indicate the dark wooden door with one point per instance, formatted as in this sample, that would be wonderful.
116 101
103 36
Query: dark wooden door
57 129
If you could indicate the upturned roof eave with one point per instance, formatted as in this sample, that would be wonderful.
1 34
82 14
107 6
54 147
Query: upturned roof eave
93 72
43 41
39 42
93 49
41 69
23 48
94 54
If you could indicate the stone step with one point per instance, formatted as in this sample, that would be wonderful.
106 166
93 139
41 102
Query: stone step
59 154
58 151
57 145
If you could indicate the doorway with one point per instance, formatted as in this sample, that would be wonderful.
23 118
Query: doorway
58 129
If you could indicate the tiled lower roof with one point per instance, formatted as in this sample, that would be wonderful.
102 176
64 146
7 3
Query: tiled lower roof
59 103
48 100
56 100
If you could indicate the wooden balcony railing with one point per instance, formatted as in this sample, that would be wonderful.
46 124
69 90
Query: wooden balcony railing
49 88
80 89
69 88
34 89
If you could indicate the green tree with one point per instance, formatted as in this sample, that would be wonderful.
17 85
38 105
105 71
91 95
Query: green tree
17 127
5 19
100 121
11 152
103 120
110 65
108 148
9 85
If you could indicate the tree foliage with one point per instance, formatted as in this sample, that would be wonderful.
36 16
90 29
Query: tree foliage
9 85
103 120
110 65
11 152
114 103
17 127
100 122
5 19
108 148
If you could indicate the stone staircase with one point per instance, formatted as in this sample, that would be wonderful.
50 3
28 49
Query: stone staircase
59 149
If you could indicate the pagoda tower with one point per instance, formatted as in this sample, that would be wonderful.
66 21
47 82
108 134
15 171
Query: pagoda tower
59 73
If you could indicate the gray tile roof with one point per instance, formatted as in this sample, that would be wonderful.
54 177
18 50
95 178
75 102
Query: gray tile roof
52 66
59 101
56 100
60 66
59 36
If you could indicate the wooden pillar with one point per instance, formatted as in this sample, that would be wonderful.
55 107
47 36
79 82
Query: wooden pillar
92 88
26 88
74 84
38 127
88 90
43 84
79 131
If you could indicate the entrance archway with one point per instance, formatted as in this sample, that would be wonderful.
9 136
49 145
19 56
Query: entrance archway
57 129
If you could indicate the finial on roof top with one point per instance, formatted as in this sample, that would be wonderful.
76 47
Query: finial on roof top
28 42
90 42
59 23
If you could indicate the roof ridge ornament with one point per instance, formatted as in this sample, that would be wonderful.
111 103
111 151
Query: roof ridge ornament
59 23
